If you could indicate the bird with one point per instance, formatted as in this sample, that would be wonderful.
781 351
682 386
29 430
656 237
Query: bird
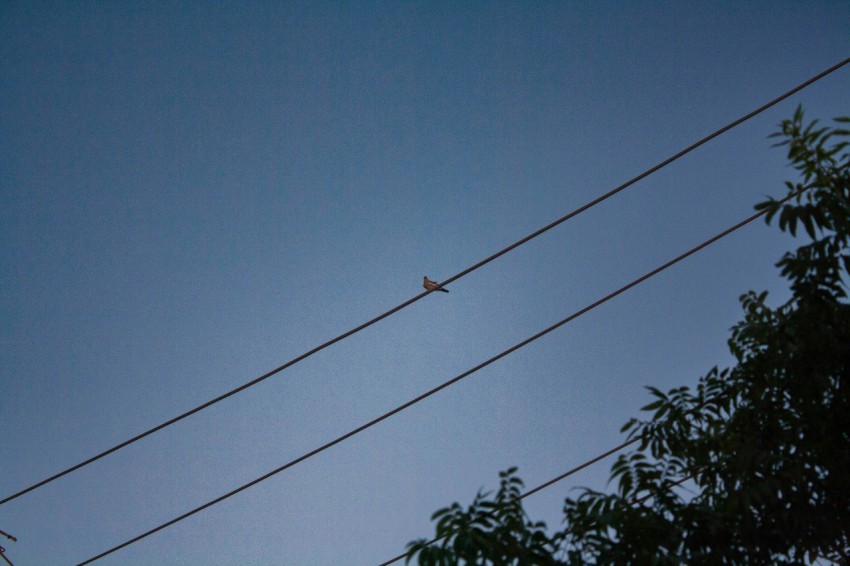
432 285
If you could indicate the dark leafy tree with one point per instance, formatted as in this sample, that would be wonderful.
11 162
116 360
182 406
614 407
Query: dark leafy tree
490 531
763 447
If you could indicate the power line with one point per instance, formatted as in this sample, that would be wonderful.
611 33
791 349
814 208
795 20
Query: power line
542 486
419 296
3 556
3 550
455 379
635 502
670 485
571 472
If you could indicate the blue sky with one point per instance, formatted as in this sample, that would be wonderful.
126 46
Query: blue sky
193 194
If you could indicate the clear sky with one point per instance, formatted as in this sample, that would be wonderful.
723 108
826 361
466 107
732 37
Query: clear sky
192 194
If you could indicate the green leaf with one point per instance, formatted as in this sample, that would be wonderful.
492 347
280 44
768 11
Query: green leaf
806 219
629 424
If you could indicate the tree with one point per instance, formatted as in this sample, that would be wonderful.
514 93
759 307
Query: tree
764 445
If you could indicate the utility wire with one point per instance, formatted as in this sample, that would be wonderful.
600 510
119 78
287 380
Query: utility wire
635 502
638 500
445 282
567 474
544 485
427 394
3 550
548 483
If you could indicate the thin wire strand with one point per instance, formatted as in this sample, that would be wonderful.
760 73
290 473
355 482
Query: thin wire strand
540 487
668 487
3 556
446 384
637 501
409 302
3 550
567 474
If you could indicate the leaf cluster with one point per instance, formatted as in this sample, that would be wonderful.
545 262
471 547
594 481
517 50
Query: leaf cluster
489 531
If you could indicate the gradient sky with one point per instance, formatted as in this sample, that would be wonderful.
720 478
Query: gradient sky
193 194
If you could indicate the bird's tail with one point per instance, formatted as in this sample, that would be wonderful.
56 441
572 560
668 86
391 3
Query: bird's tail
443 290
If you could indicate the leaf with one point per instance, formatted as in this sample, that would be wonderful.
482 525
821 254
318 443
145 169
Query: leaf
809 225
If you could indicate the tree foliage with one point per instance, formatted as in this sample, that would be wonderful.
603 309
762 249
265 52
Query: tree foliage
764 446
493 531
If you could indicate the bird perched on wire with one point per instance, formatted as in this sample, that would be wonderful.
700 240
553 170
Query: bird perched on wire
432 285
